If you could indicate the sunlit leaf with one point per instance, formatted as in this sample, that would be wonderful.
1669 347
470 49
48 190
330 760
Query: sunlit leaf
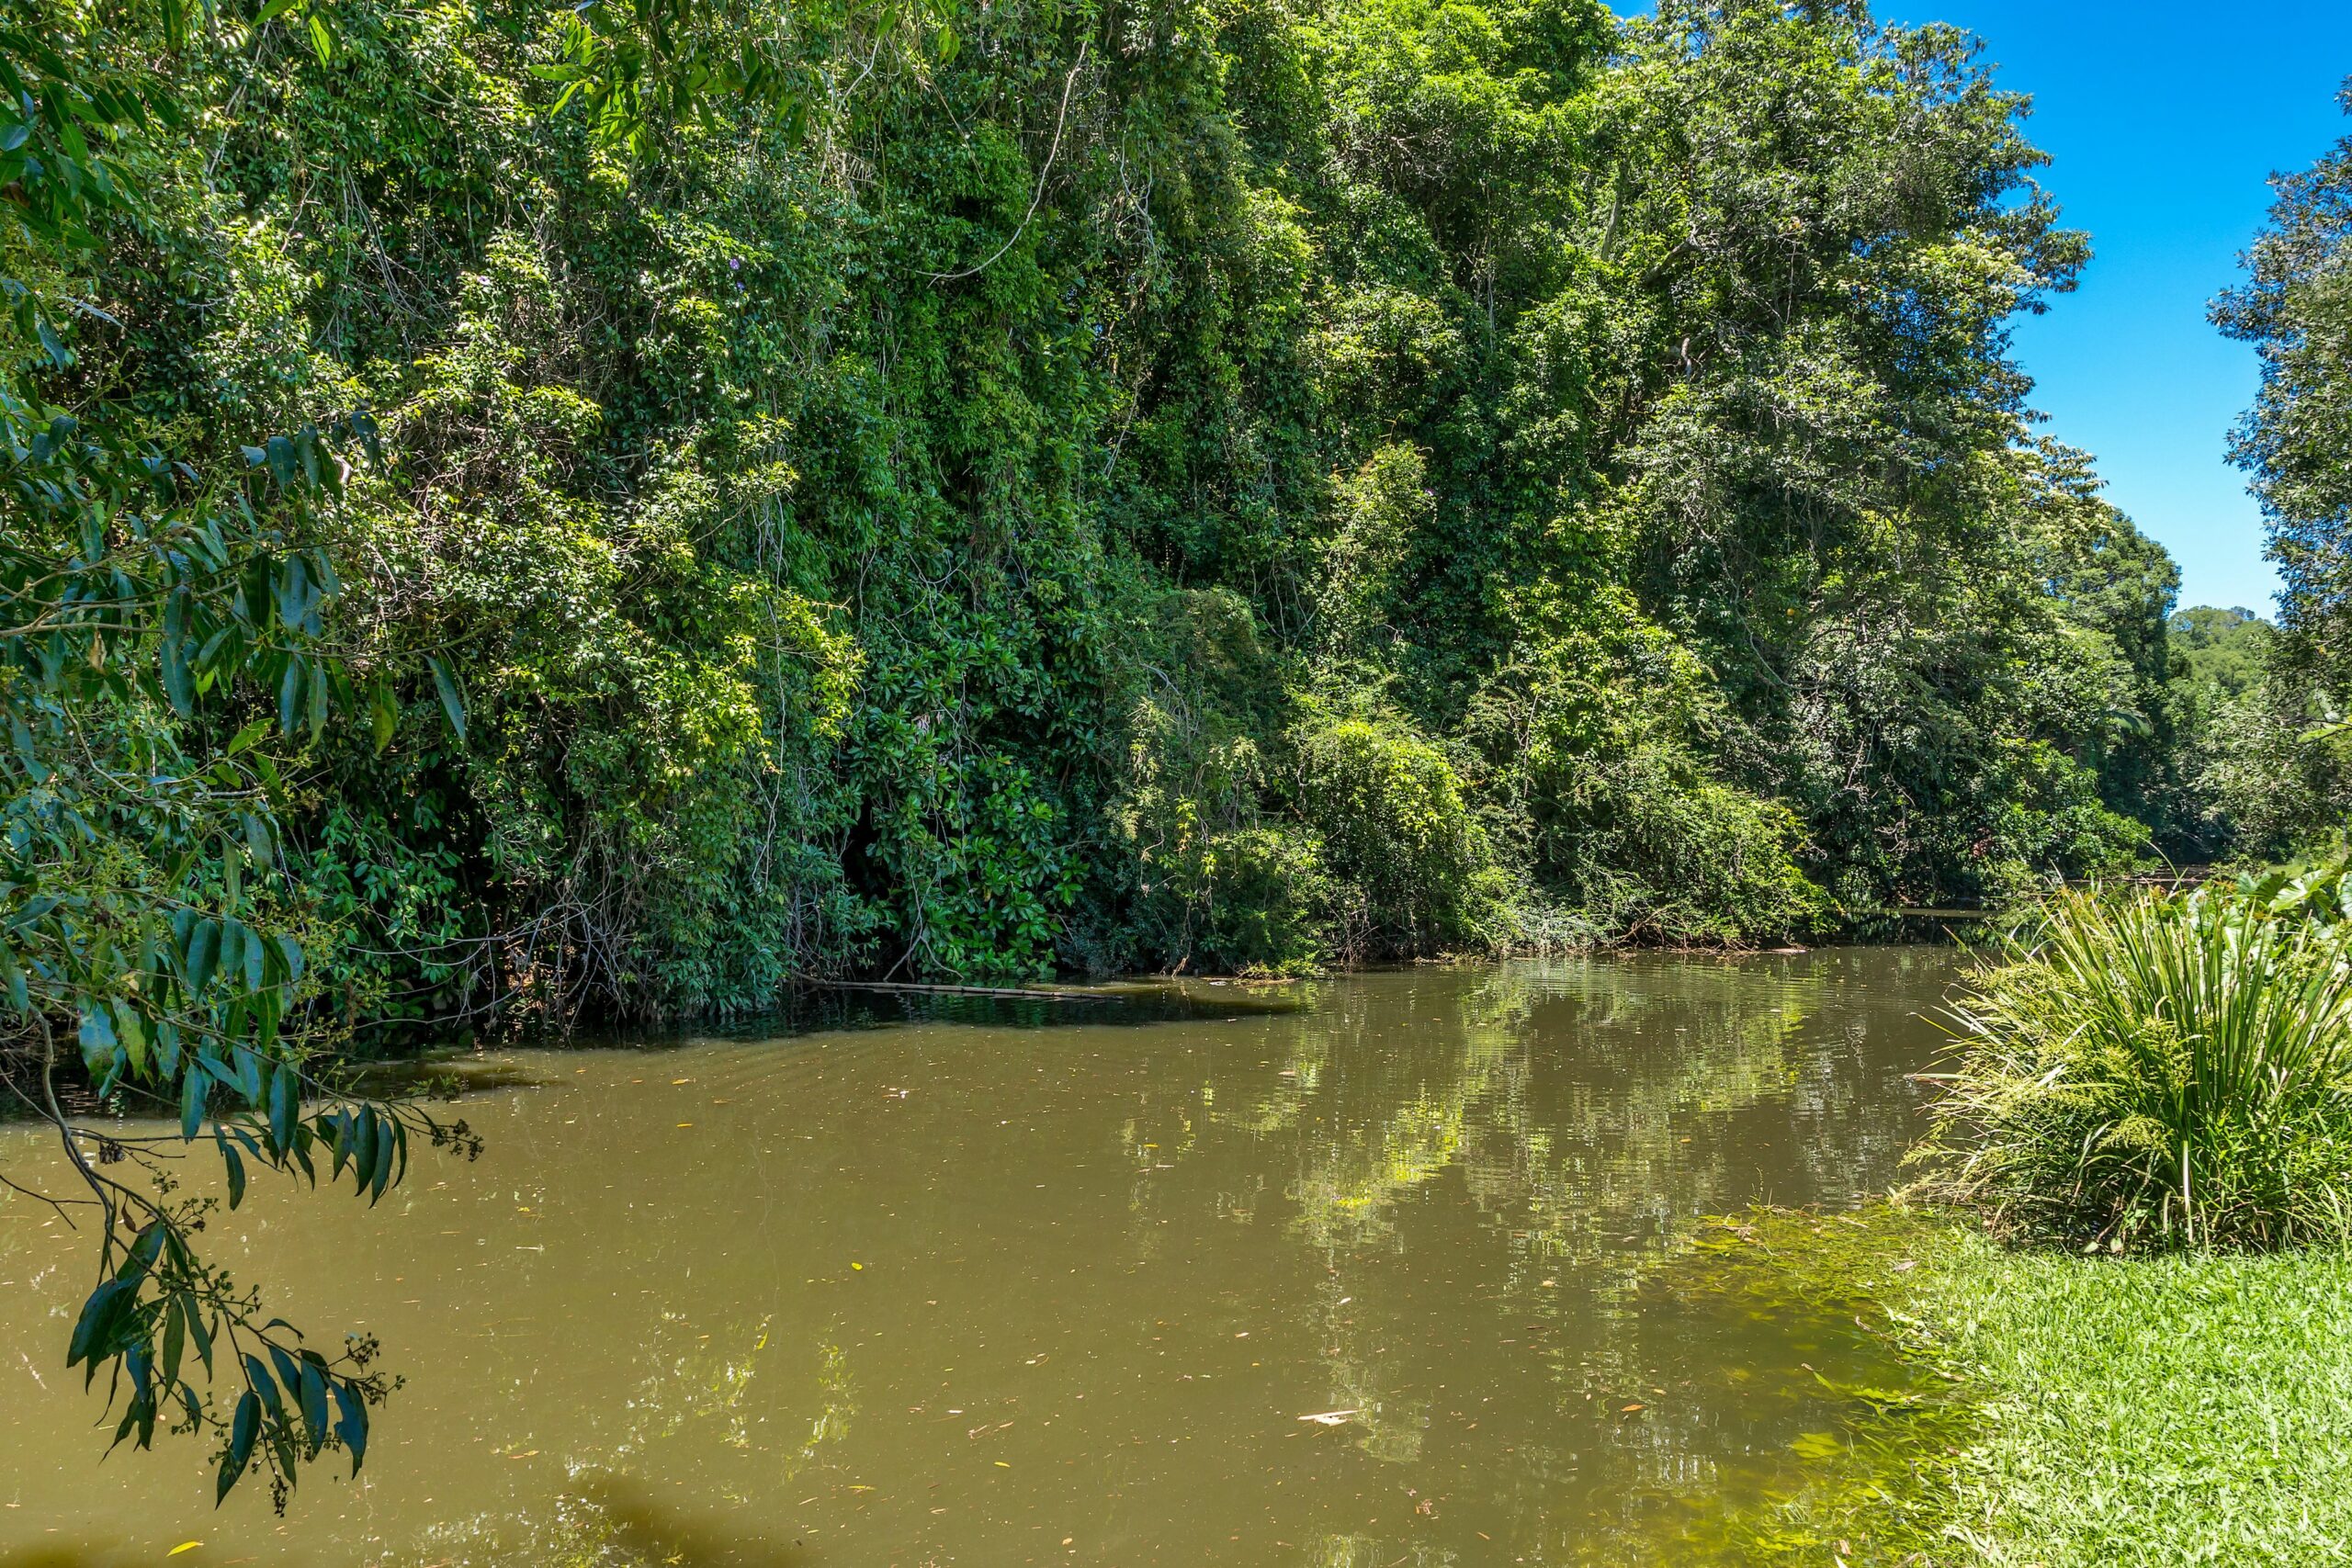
453 705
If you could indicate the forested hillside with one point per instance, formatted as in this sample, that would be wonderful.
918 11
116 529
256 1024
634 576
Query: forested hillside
1223 484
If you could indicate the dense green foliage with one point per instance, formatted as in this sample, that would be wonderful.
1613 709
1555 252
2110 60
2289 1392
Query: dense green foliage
2250 786
1232 485
2221 651
2160 1069
148 606
2296 309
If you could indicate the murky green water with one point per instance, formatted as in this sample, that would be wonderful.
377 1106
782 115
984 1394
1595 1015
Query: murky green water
986 1289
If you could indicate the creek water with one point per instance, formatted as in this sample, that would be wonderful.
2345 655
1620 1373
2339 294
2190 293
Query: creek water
976 1284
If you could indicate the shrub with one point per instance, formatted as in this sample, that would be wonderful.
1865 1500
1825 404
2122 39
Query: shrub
1212 885
1652 848
1415 875
2157 1069
1202 879
1595 780
2278 777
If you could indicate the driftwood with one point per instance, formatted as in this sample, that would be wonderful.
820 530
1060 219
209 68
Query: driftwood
1059 996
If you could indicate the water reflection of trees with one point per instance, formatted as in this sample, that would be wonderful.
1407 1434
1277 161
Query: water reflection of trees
1588 1114
714 1388
1571 1098
1414 1167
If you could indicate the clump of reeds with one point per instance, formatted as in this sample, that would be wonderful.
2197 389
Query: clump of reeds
2152 1069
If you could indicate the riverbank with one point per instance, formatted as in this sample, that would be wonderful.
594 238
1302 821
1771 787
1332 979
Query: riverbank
2158 1410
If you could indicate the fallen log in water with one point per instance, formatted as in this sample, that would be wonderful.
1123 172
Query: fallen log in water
1016 991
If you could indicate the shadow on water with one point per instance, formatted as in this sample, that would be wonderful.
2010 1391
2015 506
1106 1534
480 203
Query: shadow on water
452 1071
615 1522
818 1009
645 1529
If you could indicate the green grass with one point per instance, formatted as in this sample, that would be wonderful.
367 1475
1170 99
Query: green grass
2054 1411
2186 1408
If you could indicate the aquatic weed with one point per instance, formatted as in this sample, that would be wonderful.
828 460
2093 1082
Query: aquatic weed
1870 1420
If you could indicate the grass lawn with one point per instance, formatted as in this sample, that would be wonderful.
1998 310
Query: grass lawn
2028 1409
2147 1411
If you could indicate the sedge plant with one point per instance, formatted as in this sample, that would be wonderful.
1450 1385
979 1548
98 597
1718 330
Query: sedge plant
2156 1070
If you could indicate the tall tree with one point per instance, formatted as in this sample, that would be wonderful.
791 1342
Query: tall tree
2295 308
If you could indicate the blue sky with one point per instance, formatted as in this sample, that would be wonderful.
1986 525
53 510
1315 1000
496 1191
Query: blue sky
2163 120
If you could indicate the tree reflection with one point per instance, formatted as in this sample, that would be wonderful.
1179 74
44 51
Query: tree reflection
1580 1119
703 1389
